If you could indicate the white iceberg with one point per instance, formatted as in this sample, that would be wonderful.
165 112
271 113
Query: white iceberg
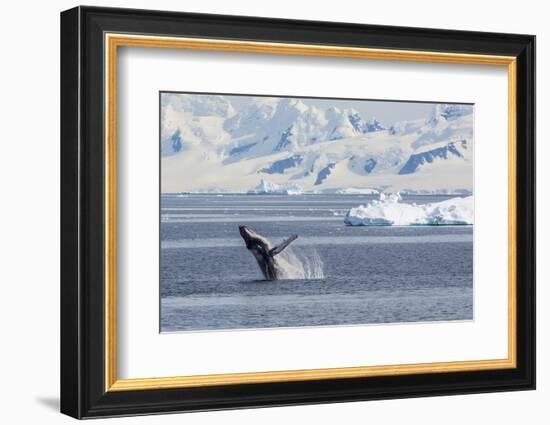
268 188
390 211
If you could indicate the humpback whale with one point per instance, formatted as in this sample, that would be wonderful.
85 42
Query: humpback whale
264 253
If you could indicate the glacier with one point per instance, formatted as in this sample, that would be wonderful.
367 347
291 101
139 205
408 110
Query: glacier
267 188
388 210
215 141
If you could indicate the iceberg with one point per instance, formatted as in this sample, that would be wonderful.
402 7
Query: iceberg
388 210
267 188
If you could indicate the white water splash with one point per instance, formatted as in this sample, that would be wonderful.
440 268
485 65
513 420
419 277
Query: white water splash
304 264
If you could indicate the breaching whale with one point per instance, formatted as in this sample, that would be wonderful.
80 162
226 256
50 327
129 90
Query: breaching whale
264 253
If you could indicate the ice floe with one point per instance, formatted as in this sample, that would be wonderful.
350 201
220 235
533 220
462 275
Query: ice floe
357 191
390 211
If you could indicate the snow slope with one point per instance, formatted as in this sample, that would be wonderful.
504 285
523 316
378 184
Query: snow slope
210 143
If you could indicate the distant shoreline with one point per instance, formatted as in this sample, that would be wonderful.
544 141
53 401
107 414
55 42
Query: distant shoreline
403 193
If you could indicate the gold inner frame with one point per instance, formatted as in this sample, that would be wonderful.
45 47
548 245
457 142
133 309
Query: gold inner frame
113 41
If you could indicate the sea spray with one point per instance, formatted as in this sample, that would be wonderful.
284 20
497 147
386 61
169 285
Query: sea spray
300 263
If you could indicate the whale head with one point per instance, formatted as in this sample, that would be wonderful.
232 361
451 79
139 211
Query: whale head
253 239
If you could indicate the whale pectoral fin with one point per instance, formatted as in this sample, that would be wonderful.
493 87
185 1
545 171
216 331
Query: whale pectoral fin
279 248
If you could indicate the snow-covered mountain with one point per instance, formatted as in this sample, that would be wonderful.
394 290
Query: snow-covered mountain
209 143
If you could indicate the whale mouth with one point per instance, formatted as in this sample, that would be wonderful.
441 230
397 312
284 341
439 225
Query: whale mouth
246 234
244 231
252 238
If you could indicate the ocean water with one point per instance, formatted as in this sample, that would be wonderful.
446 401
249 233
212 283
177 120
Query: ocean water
337 274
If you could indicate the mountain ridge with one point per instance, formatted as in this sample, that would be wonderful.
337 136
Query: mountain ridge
207 142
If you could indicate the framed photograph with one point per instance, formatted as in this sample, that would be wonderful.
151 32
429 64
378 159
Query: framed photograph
261 212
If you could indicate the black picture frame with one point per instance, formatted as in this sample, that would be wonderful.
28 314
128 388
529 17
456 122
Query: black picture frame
83 392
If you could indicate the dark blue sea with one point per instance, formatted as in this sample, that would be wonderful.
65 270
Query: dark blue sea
342 275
